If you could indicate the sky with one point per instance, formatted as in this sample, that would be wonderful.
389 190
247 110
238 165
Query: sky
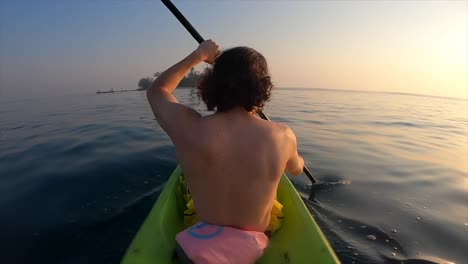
50 47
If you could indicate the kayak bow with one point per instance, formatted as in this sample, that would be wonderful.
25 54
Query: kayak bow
299 240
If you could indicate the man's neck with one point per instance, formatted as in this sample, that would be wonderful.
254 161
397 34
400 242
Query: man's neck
238 111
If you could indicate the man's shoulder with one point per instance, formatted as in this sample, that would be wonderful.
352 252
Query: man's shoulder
281 129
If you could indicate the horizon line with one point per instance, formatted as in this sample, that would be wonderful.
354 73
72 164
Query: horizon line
372 91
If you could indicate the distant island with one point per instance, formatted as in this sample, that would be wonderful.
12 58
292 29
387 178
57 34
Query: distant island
190 80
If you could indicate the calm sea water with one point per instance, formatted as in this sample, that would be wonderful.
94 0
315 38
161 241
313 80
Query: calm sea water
79 173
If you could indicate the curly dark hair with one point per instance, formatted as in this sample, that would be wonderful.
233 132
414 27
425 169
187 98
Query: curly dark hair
238 77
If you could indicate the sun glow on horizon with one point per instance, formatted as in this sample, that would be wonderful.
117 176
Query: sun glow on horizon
423 52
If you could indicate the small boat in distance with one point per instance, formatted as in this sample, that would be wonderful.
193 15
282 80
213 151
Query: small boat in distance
110 91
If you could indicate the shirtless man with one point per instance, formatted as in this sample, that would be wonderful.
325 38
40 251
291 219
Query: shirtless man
232 160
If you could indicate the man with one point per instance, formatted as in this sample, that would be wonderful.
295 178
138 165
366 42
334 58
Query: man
232 160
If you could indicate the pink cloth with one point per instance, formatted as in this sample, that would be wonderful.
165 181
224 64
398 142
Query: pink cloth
205 244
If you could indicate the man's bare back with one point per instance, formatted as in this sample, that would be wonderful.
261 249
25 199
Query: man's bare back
233 168
232 160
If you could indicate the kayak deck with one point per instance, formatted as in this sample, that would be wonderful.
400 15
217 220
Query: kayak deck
299 240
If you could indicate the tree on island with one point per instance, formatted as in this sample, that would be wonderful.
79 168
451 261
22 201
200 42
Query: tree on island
190 80
145 83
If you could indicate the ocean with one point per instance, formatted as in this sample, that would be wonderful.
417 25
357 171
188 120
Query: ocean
79 173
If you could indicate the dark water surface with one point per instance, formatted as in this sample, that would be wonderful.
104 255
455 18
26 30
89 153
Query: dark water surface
78 174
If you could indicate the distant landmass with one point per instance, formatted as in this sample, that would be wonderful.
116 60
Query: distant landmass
190 80
101 92
118 91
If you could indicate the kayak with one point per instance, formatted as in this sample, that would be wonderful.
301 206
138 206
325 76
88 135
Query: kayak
299 240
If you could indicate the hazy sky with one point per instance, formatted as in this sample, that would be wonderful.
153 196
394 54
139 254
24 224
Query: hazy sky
402 46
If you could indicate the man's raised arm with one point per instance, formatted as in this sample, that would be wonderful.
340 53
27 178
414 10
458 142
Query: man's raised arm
172 116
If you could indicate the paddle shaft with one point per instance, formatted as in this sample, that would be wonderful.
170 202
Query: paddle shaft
200 39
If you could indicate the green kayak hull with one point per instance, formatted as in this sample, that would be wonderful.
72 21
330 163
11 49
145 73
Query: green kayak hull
299 240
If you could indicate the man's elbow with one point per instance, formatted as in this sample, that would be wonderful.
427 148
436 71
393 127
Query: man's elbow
299 168
153 91
152 96
297 171
149 93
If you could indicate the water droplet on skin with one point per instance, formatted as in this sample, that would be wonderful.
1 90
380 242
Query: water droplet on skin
371 237
395 248
394 231
393 254
386 240
418 218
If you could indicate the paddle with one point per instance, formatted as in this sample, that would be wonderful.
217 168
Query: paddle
200 39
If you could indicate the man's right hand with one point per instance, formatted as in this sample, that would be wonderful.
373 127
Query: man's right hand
208 51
